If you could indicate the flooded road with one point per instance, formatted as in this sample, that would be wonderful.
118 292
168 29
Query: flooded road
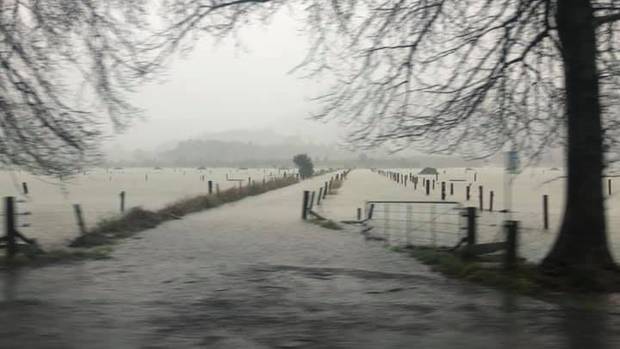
252 275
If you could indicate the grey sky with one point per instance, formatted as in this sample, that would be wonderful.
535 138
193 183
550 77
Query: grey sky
231 85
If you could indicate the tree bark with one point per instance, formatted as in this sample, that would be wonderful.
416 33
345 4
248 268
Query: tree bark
582 240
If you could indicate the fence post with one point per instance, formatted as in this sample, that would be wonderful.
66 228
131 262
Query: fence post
491 194
480 197
77 209
546 212
304 205
210 185
9 226
428 186
467 194
451 189
325 191
318 199
370 211
312 199
609 186
359 214
510 260
25 188
470 213
443 190
122 195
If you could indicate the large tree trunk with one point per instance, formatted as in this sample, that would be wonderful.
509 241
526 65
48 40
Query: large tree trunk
582 241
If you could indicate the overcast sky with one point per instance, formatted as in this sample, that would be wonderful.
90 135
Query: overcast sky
231 85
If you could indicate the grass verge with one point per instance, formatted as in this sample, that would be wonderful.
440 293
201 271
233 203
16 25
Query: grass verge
526 278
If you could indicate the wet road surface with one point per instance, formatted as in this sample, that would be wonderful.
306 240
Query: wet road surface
253 275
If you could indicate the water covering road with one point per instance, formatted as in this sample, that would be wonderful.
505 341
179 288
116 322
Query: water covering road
253 275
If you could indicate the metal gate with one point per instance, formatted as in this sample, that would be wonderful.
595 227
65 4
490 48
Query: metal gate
420 223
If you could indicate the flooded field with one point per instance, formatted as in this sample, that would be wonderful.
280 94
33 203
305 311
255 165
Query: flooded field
253 275
52 221
50 200
527 195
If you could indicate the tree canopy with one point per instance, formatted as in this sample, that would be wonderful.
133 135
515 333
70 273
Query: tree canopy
467 76
65 67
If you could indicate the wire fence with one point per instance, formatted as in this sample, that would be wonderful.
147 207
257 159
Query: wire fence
423 223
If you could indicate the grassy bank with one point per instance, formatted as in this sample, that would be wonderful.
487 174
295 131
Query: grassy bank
526 278
138 219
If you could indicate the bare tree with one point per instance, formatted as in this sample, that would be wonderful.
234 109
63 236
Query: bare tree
467 76
63 66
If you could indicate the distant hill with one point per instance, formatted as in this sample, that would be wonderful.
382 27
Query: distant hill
255 136
210 152
264 147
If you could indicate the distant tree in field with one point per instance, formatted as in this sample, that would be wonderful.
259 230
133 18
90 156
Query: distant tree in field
304 165
468 76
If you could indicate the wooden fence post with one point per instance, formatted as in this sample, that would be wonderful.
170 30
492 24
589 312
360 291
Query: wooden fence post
304 205
451 189
77 209
9 226
325 190
359 214
210 185
491 194
467 193
312 199
25 188
480 197
318 199
122 195
546 212
443 190
470 213
510 261
609 186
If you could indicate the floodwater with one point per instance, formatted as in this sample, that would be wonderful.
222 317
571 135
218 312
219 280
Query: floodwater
51 200
251 274
526 205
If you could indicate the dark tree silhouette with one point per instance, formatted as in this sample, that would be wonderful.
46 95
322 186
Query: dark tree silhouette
304 165
64 66
468 76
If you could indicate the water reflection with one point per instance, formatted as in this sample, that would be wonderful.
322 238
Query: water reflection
587 326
